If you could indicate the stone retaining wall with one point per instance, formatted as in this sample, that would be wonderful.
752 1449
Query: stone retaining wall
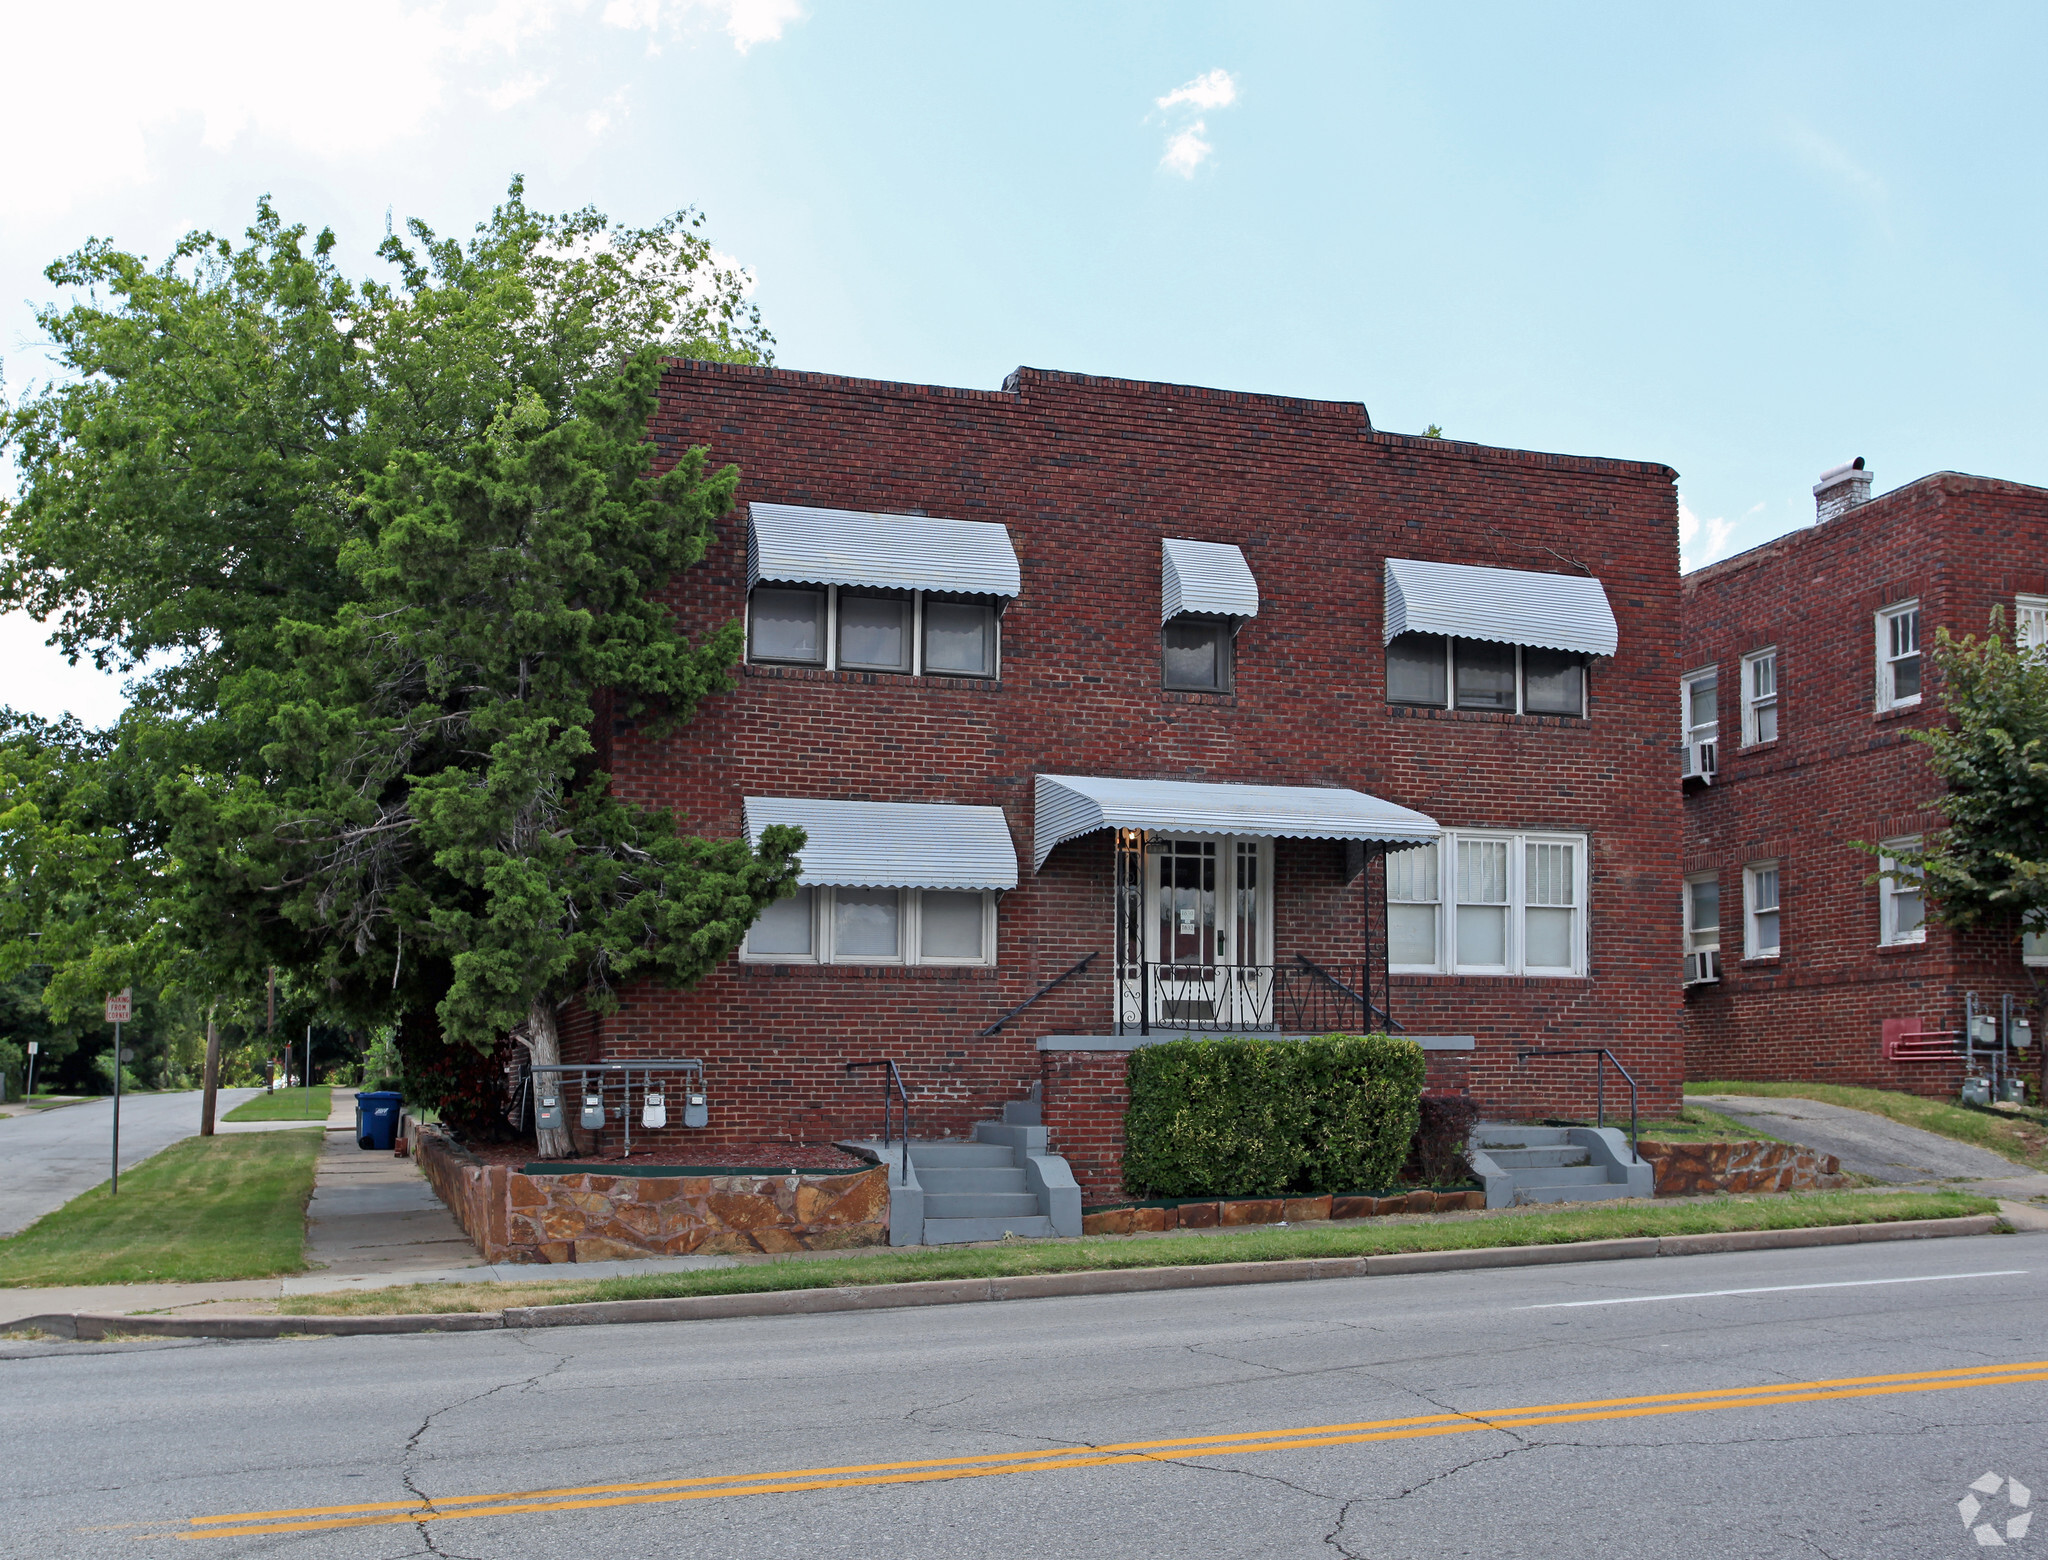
514 1217
1698 1169
1269 1210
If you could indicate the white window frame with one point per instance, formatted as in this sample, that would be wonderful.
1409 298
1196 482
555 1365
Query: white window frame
1752 906
2030 623
909 930
1690 735
1754 701
1886 660
1517 906
917 605
1693 932
1411 864
2033 948
1887 898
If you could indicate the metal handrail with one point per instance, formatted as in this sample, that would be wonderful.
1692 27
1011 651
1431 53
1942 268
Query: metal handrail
1317 970
1041 991
1599 1082
895 1077
1300 997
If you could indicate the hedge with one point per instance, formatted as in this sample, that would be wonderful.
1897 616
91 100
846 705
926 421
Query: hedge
1270 1118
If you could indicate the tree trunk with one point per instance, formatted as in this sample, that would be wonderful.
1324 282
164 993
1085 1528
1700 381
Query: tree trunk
211 1085
544 1041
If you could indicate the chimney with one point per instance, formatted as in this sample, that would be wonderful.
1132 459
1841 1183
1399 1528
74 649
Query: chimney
1841 490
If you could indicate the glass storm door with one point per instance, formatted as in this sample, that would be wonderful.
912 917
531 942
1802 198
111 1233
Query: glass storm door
1205 918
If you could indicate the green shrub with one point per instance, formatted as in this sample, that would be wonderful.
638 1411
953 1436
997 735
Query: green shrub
1270 1118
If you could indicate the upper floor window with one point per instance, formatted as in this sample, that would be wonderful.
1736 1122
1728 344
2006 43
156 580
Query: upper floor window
1700 718
1489 904
1901 913
1898 656
874 631
1199 654
1702 927
1760 910
1481 674
1760 697
2030 623
2034 947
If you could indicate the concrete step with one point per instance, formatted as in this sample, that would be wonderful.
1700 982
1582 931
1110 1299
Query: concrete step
1535 1158
953 1232
1563 1175
962 1156
979 1205
1577 1191
967 1182
1501 1134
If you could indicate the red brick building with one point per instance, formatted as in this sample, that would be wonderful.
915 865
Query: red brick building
1806 665
1107 665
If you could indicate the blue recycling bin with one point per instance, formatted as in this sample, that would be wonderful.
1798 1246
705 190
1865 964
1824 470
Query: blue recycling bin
377 1119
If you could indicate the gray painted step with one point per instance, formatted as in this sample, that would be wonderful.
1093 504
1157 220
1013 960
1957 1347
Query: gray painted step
979 1205
1582 1191
968 1181
1539 1158
1505 1135
962 1156
1563 1175
952 1232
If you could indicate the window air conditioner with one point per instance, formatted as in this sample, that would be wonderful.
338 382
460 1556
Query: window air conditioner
1699 761
1703 968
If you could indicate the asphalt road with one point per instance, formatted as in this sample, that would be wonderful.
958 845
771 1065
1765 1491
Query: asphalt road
50 1157
837 1435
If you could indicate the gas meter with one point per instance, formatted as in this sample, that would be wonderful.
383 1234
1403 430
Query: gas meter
696 1113
653 1110
547 1113
593 1111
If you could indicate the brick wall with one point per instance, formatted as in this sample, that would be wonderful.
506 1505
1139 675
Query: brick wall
1089 475
1842 771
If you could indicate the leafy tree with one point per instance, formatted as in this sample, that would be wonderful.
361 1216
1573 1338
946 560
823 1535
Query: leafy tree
398 549
1988 864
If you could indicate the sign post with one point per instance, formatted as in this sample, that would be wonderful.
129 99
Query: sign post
30 1094
120 1009
210 1084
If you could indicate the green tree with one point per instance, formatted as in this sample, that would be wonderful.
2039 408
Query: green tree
398 550
1988 864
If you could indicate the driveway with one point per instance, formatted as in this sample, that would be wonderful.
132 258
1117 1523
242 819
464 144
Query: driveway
1874 1146
50 1157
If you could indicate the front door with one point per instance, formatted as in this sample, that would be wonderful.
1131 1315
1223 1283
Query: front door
1207 931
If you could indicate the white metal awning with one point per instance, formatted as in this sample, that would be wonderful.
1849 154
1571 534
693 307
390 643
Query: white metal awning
1069 806
1511 606
1207 577
892 844
889 552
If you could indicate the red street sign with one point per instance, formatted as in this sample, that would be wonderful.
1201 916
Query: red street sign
121 1006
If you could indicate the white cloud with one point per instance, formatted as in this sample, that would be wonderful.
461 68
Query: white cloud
746 22
238 69
510 94
1185 150
1824 156
1187 146
1694 550
1217 89
599 119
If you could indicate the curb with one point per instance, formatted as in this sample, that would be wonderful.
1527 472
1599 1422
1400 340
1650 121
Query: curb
89 1326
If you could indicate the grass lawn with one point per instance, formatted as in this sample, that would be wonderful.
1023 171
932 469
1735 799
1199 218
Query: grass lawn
2022 1139
312 1104
1518 1228
1697 1124
205 1208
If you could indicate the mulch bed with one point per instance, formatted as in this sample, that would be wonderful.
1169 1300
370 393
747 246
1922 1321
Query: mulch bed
798 1156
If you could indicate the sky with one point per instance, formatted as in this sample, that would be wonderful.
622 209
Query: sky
1750 242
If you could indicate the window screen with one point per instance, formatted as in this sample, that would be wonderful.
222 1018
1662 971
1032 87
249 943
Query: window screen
785 927
1485 674
1417 670
949 925
959 639
874 632
1553 682
866 923
1197 655
787 625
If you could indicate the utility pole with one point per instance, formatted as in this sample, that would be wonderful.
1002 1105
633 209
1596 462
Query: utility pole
270 1034
210 1086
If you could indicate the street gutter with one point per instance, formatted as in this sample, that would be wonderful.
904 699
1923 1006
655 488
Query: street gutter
92 1326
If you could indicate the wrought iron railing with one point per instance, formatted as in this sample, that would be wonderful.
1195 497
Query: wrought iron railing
1299 998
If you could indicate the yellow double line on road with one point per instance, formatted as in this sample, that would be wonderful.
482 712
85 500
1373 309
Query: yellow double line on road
590 1497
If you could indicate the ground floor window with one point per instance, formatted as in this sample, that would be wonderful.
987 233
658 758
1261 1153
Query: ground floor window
1901 914
1760 910
1481 903
1702 928
876 926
